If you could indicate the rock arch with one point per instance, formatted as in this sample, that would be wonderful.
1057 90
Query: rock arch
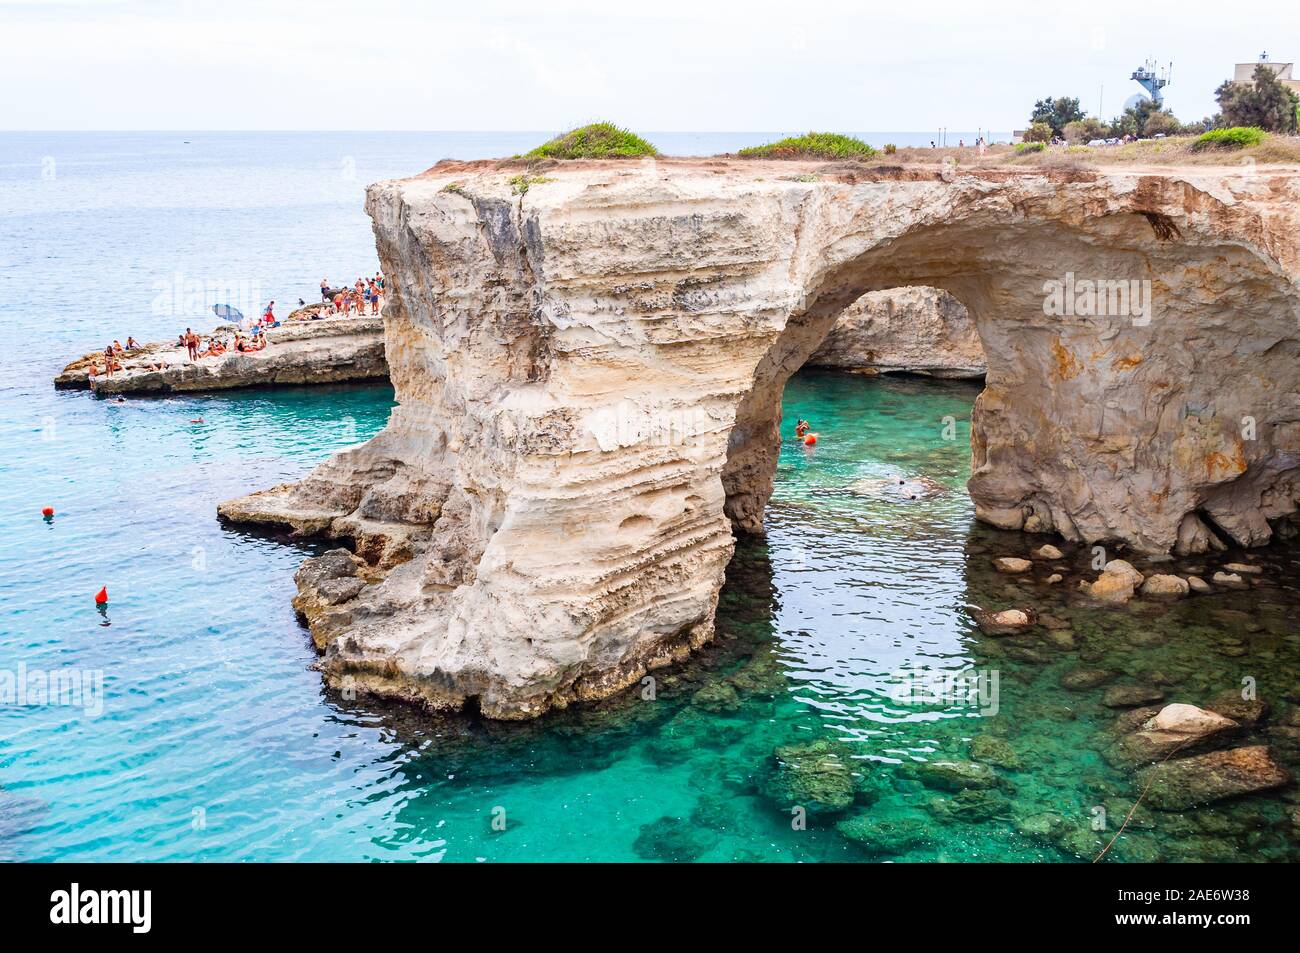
589 376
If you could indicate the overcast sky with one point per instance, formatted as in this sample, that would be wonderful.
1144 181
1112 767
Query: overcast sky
705 65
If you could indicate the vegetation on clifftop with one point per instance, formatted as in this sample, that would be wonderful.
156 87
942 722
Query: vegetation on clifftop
1238 137
597 140
814 145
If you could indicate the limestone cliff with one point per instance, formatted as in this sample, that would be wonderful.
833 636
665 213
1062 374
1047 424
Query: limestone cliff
589 378
907 330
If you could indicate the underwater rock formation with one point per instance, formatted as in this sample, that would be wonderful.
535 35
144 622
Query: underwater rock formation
589 360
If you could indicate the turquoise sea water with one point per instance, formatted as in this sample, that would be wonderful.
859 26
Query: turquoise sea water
216 740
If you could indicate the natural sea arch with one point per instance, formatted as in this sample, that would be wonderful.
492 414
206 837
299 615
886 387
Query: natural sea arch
589 372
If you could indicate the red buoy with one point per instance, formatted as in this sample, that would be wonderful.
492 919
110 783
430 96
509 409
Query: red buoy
101 597
48 511
809 440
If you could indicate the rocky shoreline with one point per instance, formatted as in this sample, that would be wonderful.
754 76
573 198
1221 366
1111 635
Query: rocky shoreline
325 351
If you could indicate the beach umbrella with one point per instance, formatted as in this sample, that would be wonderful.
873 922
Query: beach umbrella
226 313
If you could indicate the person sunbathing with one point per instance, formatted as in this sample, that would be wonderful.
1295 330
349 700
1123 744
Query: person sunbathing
131 343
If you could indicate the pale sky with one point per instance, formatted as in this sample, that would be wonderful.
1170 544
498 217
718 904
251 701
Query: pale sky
690 65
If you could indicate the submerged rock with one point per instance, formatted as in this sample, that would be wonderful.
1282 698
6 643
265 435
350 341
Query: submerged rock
714 812
1175 728
884 836
1116 584
1062 639
1080 840
1081 678
1005 621
971 806
716 697
1130 696
1245 569
1246 712
1166 586
1048 551
1203 779
672 839
820 776
990 749
1012 565
951 775
1229 580
1043 826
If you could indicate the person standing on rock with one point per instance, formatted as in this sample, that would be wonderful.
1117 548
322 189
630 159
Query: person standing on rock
192 344
324 289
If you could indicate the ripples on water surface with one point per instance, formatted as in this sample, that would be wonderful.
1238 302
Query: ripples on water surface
218 742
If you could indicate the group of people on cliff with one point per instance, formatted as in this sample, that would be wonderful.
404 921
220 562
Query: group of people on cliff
217 345
364 293
113 355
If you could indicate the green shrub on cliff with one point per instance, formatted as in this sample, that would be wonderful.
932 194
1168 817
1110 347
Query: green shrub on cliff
815 145
598 140
1238 137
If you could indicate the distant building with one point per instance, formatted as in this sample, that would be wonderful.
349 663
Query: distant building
1245 72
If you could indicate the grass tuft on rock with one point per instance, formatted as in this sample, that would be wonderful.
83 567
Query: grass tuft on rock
814 145
597 140
1237 137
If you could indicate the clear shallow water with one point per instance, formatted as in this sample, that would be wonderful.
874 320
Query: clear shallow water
218 742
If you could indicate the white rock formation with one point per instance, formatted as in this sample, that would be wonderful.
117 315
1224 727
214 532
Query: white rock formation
589 379
913 330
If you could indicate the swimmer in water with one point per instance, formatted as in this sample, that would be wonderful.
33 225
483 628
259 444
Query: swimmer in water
801 428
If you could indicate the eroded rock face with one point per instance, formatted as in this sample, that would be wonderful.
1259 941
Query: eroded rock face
589 379
912 330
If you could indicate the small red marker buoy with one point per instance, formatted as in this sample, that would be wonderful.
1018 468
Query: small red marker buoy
809 440
101 597
47 512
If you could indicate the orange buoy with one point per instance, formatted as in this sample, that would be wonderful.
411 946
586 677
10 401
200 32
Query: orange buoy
101 597
48 511
809 440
